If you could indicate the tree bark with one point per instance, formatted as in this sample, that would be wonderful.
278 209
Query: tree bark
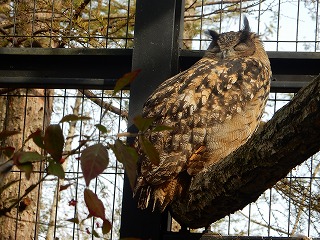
25 111
287 140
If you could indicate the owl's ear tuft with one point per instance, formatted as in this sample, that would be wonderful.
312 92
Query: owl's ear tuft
245 32
246 27
213 34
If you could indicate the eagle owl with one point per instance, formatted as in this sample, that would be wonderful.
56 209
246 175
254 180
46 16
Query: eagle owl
212 108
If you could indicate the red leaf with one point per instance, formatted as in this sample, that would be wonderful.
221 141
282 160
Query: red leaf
94 204
64 187
54 141
106 227
125 80
7 151
37 138
94 160
74 220
72 202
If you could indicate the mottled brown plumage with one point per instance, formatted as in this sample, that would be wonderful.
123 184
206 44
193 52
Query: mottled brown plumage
213 108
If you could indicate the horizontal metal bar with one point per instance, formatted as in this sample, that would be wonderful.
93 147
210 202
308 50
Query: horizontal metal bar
48 82
287 87
99 68
65 63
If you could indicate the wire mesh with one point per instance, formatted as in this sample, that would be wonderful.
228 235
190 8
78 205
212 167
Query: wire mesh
283 25
291 207
67 24
60 202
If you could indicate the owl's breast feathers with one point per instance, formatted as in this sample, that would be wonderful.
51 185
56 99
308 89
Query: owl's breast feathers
213 108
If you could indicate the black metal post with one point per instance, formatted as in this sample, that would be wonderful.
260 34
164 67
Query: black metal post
156 53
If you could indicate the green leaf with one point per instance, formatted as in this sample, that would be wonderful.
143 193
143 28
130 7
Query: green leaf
94 160
101 128
160 128
54 141
128 156
125 80
142 123
73 117
149 150
56 169
26 168
24 157
94 204
95 234
7 133
106 227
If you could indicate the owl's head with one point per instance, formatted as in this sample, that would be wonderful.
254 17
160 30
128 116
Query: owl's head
233 44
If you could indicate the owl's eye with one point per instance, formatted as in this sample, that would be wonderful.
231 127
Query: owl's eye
240 47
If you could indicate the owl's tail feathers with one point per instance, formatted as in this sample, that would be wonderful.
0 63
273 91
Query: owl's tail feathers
142 194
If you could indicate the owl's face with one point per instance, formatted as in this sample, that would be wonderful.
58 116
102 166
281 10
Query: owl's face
232 44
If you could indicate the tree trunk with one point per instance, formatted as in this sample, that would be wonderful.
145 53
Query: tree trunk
287 140
26 115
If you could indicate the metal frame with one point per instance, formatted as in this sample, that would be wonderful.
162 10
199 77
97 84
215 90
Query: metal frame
157 53
100 68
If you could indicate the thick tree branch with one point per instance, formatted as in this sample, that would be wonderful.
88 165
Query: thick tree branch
288 139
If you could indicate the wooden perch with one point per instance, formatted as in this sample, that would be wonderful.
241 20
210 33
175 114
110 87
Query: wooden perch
287 140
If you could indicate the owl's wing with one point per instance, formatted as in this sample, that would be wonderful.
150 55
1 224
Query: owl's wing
208 93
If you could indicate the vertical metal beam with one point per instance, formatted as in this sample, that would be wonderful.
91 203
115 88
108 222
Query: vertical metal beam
156 53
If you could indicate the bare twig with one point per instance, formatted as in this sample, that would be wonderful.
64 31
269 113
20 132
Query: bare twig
107 106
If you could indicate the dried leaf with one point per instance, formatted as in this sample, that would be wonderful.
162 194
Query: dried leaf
54 141
94 204
142 123
128 156
94 160
125 80
73 117
56 169
149 150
